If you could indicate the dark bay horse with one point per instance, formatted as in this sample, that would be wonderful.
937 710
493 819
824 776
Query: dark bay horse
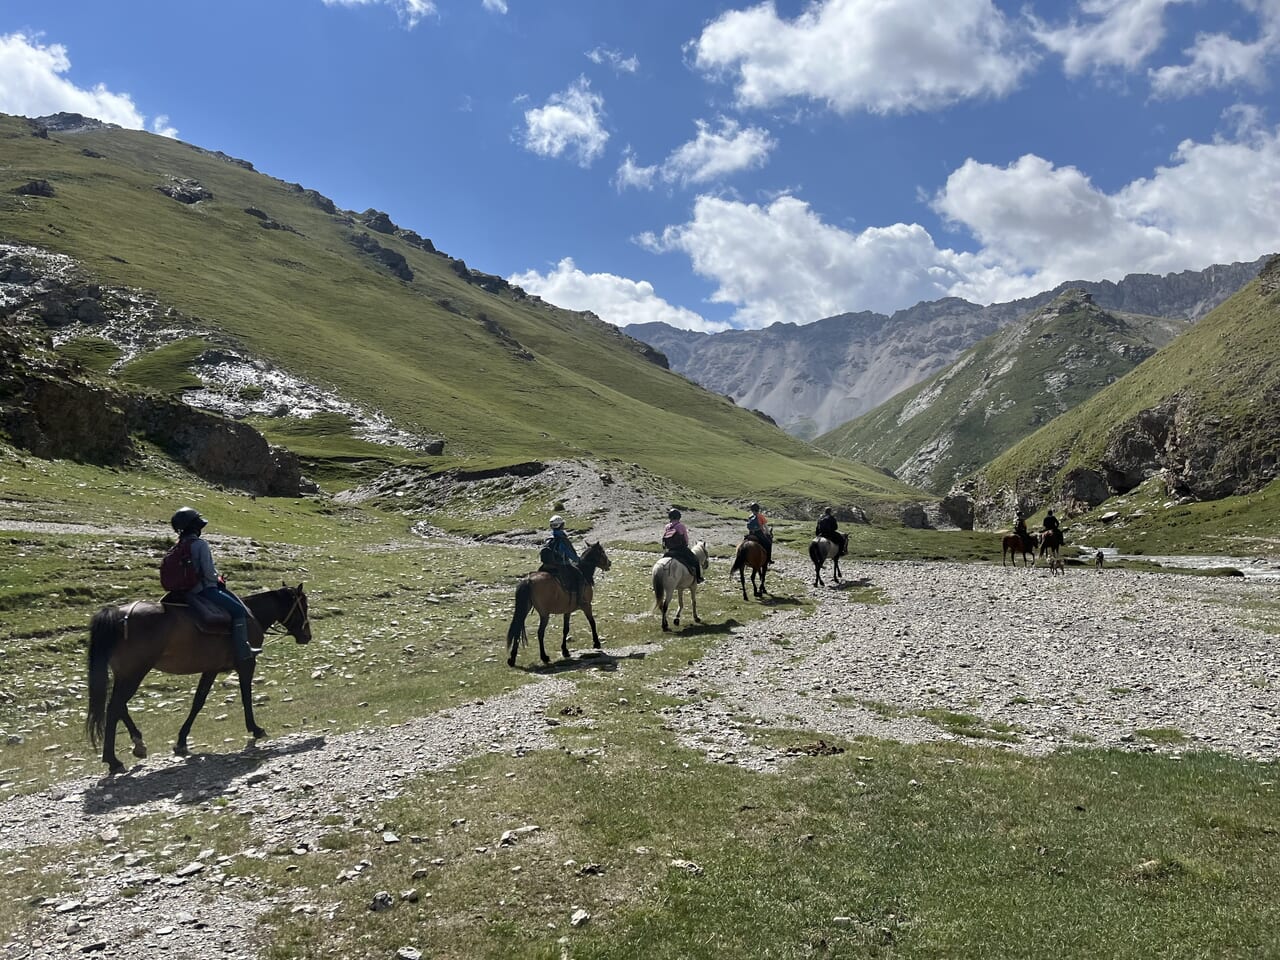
541 591
128 642
1050 540
1012 544
750 554
820 551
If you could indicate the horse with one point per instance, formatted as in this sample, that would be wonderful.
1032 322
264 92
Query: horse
1050 540
751 553
673 578
1014 543
541 591
128 642
820 551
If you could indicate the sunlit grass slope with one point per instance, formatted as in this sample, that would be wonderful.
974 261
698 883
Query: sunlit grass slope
1227 362
426 352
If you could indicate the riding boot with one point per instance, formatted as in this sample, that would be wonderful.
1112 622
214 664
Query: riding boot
240 650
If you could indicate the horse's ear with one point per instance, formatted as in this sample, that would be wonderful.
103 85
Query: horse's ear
299 588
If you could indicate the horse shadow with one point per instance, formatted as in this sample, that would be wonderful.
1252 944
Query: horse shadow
198 778
769 600
706 629
589 660
859 584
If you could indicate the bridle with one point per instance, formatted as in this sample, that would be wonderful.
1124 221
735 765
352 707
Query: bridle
283 623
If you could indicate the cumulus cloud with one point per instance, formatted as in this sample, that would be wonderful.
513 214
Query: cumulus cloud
865 54
496 6
571 121
710 155
615 59
32 84
1218 60
1111 33
615 299
412 12
1036 225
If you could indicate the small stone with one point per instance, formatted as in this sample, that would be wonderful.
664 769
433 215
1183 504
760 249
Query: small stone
579 918
389 837
381 901
190 870
408 953
410 896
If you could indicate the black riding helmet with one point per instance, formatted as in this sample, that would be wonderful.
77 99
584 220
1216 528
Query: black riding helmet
755 507
673 514
187 519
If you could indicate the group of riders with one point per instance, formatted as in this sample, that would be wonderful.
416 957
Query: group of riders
1049 528
557 555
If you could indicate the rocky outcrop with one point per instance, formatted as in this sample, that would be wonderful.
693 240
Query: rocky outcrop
391 259
72 123
185 190
35 188
54 411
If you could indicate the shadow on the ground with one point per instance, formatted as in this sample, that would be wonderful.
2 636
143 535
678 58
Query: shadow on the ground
587 660
860 583
197 778
690 629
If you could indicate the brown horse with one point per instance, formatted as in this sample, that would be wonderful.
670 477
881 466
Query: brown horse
128 642
1012 544
541 591
750 554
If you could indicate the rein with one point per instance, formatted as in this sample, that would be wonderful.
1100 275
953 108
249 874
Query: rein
282 622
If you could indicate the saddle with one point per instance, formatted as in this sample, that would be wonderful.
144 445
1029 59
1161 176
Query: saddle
685 556
209 617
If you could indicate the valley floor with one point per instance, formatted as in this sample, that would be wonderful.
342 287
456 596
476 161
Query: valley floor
1009 658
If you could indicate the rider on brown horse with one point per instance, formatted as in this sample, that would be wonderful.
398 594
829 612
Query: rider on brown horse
210 586
560 558
758 530
675 543
829 527
1020 529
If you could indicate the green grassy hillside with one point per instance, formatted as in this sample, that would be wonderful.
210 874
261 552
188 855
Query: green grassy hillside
438 354
1215 389
1002 390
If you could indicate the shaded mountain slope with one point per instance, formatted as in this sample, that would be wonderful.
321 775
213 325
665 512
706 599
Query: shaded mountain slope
1203 413
376 313
1003 389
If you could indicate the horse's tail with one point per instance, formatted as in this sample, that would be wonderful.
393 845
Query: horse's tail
739 559
815 553
104 631
657 589
524 602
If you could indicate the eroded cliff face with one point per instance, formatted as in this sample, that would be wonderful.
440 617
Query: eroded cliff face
54 410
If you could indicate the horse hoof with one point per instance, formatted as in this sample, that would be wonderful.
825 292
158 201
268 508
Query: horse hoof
257 733
114 767
676 621
697 619
180 750
511 661
665 628
139 749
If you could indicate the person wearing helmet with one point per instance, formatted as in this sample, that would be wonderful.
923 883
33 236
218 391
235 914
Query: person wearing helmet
211 586
675 543
1020 529
758 530
829 527
559 557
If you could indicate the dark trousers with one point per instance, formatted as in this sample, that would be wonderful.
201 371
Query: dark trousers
228 601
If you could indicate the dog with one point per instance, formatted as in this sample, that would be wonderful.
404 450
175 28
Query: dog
1097 559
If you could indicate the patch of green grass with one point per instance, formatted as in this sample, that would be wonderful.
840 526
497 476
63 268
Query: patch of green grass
167 369
94 353
1165 735
968 725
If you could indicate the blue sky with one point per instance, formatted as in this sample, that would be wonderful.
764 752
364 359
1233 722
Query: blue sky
717 164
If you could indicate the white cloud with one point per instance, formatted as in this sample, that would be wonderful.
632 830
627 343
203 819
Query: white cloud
1036 224
865 54
1217 60
570 121
160 124
615 59
615 299
1121 33
710 155
496 6
32 84
412 12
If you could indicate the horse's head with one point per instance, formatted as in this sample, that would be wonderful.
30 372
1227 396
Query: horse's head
296 620
700 551
597 557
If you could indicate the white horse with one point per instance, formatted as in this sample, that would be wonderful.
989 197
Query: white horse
672 578
820 551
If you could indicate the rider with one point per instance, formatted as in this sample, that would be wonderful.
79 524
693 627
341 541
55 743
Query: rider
559 557
211 586
1020 529
1051 524
829 527
675 543
758 530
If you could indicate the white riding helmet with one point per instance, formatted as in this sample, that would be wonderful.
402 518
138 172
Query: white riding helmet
557 522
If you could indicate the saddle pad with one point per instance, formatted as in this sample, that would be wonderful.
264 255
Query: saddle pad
209 617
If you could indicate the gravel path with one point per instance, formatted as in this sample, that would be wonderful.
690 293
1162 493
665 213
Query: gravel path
1124 652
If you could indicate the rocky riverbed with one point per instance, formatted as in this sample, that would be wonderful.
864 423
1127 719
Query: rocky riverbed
1011 658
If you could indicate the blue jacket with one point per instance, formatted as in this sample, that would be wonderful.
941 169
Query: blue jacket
559 542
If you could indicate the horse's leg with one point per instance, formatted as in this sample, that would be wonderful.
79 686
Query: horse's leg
742 580
564 639
693 599
679 604
245 670
595 637
835 564
542 632
197 704
666 602
139 745
121 691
